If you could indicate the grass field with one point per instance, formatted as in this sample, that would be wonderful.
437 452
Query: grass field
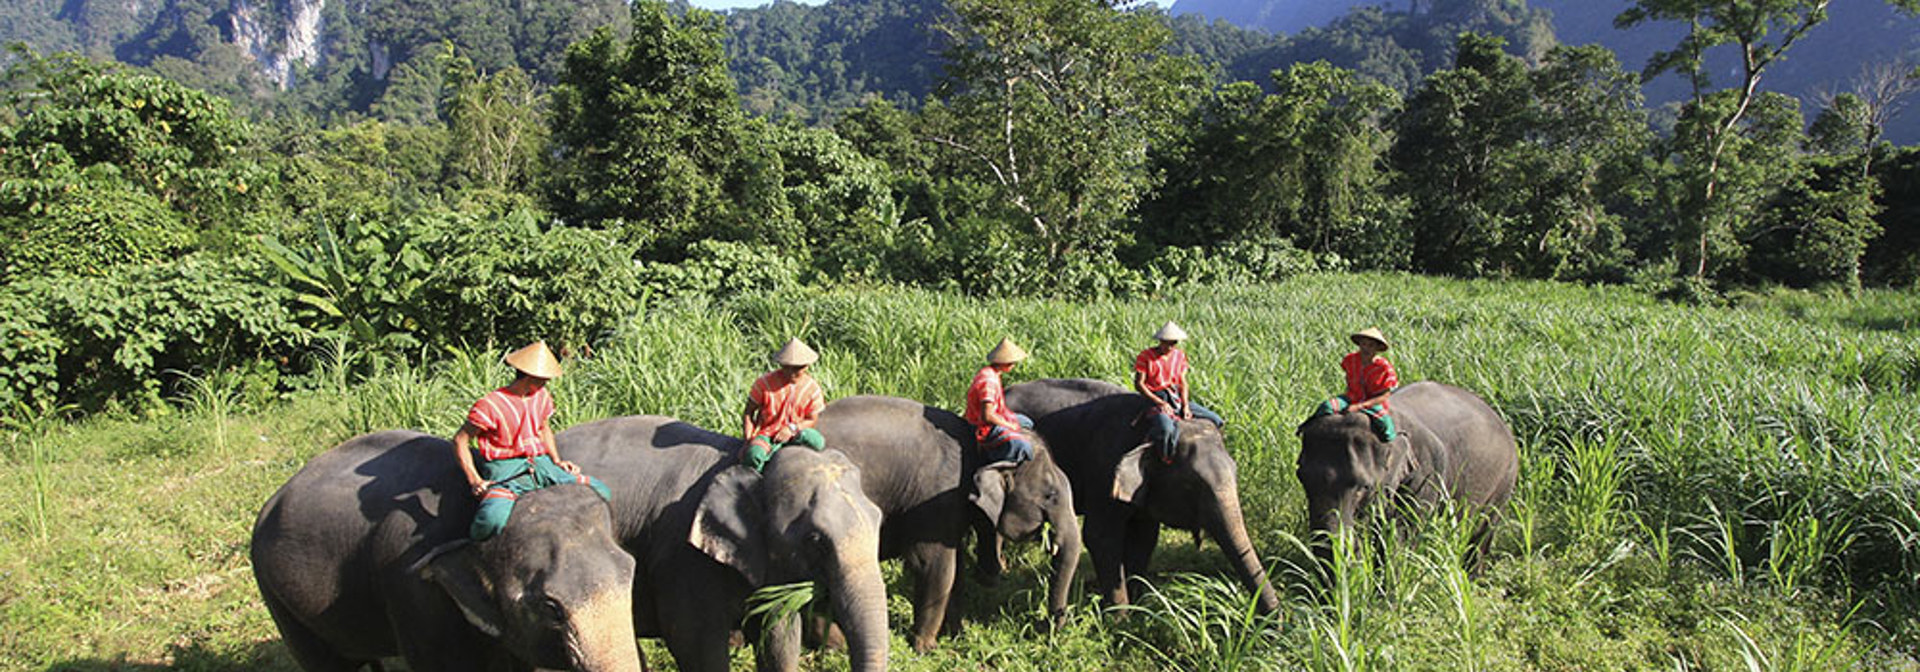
1701 488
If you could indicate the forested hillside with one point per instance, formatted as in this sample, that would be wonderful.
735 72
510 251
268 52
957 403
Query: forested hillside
1859 36
325 57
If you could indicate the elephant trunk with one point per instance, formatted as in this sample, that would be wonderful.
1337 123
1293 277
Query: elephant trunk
600 634
1066 559
1230 531
860 604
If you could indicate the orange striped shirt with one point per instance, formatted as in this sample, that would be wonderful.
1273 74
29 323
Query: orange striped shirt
511 425
784 401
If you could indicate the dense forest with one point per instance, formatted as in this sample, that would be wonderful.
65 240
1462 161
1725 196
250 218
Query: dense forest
174 204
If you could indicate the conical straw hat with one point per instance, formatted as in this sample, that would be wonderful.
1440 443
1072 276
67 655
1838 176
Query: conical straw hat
1170 332
1006 353
795 353
535 360
1370 332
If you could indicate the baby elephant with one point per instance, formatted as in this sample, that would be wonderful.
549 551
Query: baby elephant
1451 445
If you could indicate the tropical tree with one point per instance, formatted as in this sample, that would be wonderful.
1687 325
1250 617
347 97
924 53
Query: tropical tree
1304 164
648 139
1762 31
1053 105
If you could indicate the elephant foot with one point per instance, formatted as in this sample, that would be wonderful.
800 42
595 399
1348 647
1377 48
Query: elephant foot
924 644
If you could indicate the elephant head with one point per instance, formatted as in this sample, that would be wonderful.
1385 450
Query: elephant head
1343 466
1019 500
805 517
554 587
1196 486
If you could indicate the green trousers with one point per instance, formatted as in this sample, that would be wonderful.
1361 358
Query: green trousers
512 478
760 449
1377 418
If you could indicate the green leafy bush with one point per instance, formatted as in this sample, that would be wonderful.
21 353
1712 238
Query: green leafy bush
721 268
110 338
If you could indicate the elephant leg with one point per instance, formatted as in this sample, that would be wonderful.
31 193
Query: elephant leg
1143 534
307 648
951 623
933 567
697 619
1105 538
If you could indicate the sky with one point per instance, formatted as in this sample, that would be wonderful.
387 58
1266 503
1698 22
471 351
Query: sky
730 4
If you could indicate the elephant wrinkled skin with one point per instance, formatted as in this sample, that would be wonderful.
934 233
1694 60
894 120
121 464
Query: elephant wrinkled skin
1127 493
920 465
363 555
707 531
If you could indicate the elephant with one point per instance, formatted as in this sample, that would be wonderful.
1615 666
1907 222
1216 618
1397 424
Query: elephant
708 530
1451 445
364 554
1098 437
920 465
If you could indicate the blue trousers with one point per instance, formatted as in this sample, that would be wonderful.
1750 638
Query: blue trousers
1164 431
1002 445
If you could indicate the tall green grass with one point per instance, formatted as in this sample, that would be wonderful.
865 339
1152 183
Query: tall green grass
1701 488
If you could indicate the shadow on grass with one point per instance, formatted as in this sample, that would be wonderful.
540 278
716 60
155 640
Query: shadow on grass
267 656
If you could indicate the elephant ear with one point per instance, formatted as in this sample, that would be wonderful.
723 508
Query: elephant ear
990 491
455 567
1128 478
730 524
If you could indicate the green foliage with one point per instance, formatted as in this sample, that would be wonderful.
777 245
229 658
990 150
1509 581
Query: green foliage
110 338
1055 103
446 278
1525 172
100 167
1742 169
495 127
1301 165
649 140
720 268
811 63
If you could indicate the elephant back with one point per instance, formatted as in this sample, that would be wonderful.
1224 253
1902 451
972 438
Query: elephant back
1046 396
1462 431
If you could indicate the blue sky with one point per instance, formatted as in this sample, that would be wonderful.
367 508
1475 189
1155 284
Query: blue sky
730 4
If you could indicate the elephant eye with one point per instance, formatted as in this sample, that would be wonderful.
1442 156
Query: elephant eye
551 607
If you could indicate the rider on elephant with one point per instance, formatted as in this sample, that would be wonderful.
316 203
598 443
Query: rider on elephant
515 453
998 431
1160 373
1370 379
783 406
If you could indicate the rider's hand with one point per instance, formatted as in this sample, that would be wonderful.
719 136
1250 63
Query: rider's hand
480 487
569 466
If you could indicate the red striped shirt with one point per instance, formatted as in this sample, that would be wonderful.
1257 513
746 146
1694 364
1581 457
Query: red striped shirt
511 425
986 403
1368 379
1162 371
783 401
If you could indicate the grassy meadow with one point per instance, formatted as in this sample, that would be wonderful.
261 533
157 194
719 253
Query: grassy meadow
1701 488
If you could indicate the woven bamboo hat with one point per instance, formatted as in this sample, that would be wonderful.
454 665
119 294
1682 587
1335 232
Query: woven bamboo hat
534 360
1006 353
1170 332
795 353
1370 333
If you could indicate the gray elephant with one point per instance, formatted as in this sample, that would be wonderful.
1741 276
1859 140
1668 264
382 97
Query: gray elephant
919 464
363 554
707 531
1098 435
1450 445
